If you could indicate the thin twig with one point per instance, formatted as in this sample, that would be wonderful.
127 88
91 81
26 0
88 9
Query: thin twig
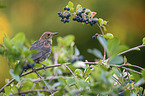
32 91
71 71
7 84
132 49
51 78
128 65
131 70
42 79
48 66
117 80
100 29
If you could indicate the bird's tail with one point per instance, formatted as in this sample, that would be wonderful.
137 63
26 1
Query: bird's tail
27 66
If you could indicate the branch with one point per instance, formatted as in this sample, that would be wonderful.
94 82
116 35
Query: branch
128 65
132 49
41 79
131 70
51 78
71 71
49 66
100 29
32 91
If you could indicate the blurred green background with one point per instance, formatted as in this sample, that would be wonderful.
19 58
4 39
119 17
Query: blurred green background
33 17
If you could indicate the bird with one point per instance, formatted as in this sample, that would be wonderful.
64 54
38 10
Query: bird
43 47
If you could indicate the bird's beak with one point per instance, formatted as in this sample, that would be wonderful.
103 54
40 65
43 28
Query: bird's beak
55 33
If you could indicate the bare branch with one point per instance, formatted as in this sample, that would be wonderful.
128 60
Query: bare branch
49 66
132 49
71 71
32 91
51 78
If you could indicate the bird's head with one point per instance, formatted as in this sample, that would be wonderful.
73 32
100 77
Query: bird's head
47 36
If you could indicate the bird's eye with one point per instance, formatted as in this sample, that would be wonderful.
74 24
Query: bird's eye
48 34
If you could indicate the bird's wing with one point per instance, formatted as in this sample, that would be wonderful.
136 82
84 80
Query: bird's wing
40 46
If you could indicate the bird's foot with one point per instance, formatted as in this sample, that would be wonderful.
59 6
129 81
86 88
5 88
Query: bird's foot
33 69
44 66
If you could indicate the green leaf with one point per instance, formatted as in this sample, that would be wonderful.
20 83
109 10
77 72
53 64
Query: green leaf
7 43
143 73
96 53
127 92
7 90
70 81
70 4
82 83
14 75
109 36
79 8
77 52
135 76
114 47
19 38
116 60
143 40
100 20
125 60
140 82
78 71
18 68
14 89
62 81
68 40
137 49
27 84
1 50
103 42
79 64
3 6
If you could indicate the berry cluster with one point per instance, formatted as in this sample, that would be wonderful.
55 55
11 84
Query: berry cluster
81 57
79 18
65 17
65 8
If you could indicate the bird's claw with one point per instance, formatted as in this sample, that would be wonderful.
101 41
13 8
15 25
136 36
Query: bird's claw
44 67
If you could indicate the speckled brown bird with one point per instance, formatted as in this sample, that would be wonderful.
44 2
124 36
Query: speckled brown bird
43 45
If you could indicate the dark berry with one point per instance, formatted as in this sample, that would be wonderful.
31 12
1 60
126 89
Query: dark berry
87 22
22 94
94 37
80 15
73 60
62 19
43 87
74 18
66 20
84 8
94 21
91 23
65 16
59 13
77 14
68 9
121 93
68 15
65 8
81 57
83 20
87 19
82 11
